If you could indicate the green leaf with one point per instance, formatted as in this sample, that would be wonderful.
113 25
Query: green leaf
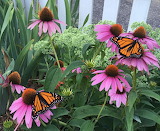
86 111
85 48
52 78
7 18
150 93
3 100
151 115
51 128
131 99
68 13
86 19
31 67
72 66
129 118
59 112
10 68
87 126
76 122
22 56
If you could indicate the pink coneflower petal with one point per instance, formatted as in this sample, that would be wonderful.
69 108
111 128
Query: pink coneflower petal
19 111
40 28
108 82
60 22
102 86
37 121
51 28
114 85
28 116
45 27
98 78
33 24
125 81
22 114
119 85
102 28
99 71
57 27
43 117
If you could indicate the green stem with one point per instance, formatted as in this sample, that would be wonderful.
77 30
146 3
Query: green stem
97 51
134 79
54 51
63 124
101 108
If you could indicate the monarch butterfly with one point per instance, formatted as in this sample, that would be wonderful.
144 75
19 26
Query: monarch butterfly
44 101
128 47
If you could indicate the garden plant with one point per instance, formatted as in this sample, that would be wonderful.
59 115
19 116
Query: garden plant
93 78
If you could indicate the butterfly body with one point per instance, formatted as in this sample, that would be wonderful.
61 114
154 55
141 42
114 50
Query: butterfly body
128 47
44 101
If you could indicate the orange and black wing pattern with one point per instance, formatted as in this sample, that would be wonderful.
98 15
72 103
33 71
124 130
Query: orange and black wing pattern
128 47
44 101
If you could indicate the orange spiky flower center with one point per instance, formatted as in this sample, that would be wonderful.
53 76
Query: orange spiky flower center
28 96
60 62
140 32
46 15
116 29
111 70
15 78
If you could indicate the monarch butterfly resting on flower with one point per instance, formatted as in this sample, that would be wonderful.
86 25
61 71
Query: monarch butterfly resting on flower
128 47
44 101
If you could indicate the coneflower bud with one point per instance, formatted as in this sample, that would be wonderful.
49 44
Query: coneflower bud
116 29
140 32
46 15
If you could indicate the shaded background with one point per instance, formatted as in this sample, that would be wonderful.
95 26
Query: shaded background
125 10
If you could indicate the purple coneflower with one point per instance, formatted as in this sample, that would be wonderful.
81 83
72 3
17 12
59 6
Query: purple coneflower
22 109
14 80
118 96
141 63
77 70
140 34
46 22
110 77
105 32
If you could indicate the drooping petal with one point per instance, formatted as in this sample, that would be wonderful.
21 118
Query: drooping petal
45 26
60 22
33 24
40 28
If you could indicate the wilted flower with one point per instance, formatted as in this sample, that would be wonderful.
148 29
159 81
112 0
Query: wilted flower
140 63
105 32
22 109
110 77
140 34
14 80
119 96
46 22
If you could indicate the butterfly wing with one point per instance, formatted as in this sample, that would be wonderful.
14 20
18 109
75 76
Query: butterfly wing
43 102
128 47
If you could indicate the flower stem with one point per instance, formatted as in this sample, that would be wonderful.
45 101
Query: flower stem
54 51
134 79
97 51
101 108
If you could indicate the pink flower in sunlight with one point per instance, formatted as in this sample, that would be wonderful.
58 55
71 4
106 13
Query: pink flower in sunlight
140 63
22 109
14 80
77 70
118 96
140 34
105 32
46 22
110 77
